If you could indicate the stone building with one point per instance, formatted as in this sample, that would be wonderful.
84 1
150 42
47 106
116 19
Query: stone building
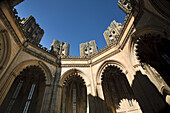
131 74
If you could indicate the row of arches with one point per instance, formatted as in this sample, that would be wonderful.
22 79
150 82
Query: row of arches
76 96
151 49
27 91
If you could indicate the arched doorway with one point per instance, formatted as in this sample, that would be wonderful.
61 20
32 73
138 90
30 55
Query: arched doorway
26 92
115 88
74 95
155 51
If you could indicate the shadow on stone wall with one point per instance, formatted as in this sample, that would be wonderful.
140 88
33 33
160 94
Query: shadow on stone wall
96 105
147 95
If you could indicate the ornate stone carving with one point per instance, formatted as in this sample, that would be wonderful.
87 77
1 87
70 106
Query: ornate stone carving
112 33
60 48
31 29
125 6
88 48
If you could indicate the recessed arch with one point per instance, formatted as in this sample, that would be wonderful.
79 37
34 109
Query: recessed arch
26 92
66 74
116 88
149 46
109 63
156 30
74 92
16 71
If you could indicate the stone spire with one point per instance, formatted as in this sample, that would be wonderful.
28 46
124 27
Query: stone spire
112 33
88 48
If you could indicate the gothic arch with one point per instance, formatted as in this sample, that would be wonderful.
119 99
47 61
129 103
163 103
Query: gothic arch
40 64
5 49
73 92
81 74
116 90
152 48
156 30
148 46
105 65
26 92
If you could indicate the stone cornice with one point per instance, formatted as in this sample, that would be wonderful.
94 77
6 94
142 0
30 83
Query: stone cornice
105 57
39 56
92 63
75 65
40 49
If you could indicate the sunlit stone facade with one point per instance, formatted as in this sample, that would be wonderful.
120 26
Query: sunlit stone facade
129 75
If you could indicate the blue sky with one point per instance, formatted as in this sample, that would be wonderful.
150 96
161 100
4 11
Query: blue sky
72 21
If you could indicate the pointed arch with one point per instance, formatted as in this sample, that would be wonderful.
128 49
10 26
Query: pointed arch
109 63
26 91
156 30
16 71
73 92
149 47
80 73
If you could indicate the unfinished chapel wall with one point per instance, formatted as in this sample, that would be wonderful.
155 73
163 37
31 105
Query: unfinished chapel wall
130 74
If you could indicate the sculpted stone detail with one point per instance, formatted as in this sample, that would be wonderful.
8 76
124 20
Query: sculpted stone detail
125 6
60 48
88 48
32 30
153 49
112 33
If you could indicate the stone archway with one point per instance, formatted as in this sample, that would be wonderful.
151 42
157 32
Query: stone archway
74 94
116 89
26 93
154 50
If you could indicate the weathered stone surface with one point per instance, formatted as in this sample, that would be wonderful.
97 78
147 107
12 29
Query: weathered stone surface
60 48
112 33
32 30
125 6
88 48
